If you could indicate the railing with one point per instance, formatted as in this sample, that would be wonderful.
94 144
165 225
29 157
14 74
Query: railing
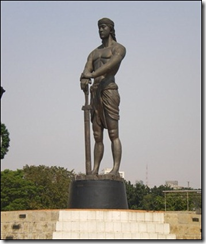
180 191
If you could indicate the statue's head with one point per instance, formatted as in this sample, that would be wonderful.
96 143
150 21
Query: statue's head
110 24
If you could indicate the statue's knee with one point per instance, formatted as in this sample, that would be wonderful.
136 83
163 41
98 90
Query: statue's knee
97 137
113 134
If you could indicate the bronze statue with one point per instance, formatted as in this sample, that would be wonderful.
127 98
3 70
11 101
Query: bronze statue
102 65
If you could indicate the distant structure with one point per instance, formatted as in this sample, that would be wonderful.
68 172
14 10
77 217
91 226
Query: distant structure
146 182
188 184
173 184
139 182
107 170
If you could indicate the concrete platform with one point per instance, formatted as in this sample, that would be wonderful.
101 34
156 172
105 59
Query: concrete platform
84 224
100 224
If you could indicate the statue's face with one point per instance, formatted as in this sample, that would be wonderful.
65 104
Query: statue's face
104 31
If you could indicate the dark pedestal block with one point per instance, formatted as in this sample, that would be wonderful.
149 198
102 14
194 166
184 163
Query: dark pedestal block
97 194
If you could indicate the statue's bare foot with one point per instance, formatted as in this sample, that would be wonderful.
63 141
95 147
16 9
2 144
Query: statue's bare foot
94 172
113 172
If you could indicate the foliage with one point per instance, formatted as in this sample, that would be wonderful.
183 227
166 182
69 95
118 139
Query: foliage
53 184
132 198
42 187
4 140
16 191
142 197
35 187
195 201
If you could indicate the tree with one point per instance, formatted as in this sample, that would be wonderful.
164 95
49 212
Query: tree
151 202
141 191
16 192
142 197
195 201
35 187
135 194
155 200
131 195
53 183
4 140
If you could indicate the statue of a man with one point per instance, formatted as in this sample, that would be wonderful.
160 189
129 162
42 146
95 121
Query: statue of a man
102 65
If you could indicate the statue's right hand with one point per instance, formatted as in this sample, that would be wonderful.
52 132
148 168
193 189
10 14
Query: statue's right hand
84 84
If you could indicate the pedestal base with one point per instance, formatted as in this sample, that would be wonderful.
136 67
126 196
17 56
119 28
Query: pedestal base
97 194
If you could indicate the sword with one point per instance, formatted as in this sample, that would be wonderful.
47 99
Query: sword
86 108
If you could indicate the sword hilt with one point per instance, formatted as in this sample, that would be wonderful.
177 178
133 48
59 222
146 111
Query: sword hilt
87 107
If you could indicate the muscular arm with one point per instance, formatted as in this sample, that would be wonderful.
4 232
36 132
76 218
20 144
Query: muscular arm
88 66
84 81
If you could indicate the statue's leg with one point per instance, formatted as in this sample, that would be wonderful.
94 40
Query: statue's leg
98 147
115 144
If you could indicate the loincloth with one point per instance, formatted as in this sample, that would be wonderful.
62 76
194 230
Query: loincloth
105 101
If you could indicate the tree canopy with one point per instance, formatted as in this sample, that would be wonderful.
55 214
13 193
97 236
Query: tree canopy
142 197
43 187
35 187
4 140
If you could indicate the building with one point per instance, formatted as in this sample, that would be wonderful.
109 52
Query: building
139 182
173 184
107 170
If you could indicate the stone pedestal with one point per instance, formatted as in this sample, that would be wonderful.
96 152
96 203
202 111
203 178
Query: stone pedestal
100 224
111 224
97 192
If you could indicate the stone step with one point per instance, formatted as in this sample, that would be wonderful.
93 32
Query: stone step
52 215
85 224
110 215
112 226
110 235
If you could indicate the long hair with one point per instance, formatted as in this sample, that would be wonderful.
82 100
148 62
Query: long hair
112 32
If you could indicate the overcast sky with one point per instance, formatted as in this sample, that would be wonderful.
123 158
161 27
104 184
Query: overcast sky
44 47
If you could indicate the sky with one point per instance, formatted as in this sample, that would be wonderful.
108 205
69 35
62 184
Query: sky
44 47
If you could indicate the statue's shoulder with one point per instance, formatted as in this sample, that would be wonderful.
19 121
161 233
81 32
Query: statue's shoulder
96 50
119 45
99 47
119 48
93 52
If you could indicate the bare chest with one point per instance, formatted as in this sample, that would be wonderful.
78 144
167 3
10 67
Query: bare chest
103 54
